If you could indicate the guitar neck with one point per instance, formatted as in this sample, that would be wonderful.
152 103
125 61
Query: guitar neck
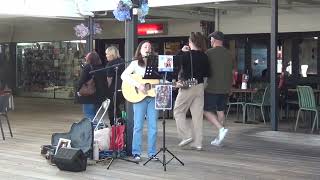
154 85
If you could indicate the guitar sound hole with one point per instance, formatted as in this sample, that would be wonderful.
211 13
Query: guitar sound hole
147 86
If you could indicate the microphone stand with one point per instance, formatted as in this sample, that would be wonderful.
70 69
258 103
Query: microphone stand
164 148
115 152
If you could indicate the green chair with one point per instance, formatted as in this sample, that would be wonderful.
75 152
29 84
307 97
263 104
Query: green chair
260 102
307 102
237 103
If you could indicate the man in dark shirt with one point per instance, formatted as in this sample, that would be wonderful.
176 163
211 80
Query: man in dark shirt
219 84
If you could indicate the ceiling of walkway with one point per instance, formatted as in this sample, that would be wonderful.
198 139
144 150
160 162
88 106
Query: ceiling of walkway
205 11
193 10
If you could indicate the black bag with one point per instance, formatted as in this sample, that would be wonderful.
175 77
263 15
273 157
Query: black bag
80 134
70 159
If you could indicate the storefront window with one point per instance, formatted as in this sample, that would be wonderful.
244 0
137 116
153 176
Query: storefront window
308 56
259 57
49 69
287 53
5 63
240 55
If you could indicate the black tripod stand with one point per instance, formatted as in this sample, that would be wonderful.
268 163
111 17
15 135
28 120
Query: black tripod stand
164 149
116 152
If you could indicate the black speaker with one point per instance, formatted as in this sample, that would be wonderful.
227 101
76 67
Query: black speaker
70 159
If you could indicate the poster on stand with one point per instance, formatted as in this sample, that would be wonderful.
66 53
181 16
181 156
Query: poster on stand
163 97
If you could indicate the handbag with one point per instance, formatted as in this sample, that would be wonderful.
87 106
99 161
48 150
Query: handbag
88 88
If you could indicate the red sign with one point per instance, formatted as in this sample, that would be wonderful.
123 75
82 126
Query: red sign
148 29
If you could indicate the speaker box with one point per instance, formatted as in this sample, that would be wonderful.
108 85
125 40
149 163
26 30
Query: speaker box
70 159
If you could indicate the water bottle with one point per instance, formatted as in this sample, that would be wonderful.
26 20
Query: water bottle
95 150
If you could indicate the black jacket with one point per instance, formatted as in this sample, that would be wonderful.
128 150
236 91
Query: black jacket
111 72
100 79
200 65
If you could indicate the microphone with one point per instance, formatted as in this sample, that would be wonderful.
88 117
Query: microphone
113 66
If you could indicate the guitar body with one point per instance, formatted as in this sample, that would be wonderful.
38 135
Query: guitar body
132 93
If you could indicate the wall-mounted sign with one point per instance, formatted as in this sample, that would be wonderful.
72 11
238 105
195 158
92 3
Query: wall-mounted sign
150 29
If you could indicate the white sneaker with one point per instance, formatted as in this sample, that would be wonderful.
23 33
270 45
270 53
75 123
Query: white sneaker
218 140
185 142
222 134
215 142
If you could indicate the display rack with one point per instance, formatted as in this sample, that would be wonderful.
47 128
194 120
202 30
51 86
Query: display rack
48 69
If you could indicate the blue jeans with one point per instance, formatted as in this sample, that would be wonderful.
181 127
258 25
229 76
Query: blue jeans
89 110
146 107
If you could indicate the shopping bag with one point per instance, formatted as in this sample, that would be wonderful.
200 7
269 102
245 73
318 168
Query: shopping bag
117 137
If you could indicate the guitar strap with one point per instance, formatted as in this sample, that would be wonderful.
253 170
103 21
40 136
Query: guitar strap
191 66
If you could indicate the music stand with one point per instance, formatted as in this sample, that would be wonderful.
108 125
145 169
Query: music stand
163 102
115 152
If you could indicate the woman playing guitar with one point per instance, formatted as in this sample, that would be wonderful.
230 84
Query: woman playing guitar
145 107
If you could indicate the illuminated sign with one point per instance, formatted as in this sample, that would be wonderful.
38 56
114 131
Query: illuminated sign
149 29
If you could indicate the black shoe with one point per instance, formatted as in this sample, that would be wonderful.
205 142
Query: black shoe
136 157
154 158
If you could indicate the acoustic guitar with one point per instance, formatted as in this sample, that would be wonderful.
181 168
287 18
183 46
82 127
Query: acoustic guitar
132 93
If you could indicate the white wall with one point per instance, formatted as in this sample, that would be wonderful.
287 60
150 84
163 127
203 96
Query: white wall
39 30
259 20
44 32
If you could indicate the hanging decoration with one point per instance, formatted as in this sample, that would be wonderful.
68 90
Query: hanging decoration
97 28
122 13
82 31
143 10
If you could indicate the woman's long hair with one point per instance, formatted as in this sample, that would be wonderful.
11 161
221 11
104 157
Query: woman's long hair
198 40
138 55
93 58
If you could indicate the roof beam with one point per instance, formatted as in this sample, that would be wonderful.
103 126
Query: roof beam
182 14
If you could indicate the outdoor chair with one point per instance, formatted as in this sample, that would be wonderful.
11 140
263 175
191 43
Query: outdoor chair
4 107
307 102
238 102
260 101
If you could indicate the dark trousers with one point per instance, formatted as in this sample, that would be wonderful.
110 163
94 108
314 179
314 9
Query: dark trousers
120 101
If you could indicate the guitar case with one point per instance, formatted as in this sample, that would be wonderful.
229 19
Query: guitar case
80 134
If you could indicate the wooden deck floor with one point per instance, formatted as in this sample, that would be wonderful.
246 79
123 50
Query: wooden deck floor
249 151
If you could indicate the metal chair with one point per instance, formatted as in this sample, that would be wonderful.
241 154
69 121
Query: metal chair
260 102
99 123
4 107
237 103
307 102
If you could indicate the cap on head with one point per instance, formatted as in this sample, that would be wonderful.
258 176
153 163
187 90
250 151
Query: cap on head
218 35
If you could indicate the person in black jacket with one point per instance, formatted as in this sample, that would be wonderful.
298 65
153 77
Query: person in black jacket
114 59
194 64
93 102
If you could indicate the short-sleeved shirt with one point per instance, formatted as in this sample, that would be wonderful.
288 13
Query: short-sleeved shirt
221 66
